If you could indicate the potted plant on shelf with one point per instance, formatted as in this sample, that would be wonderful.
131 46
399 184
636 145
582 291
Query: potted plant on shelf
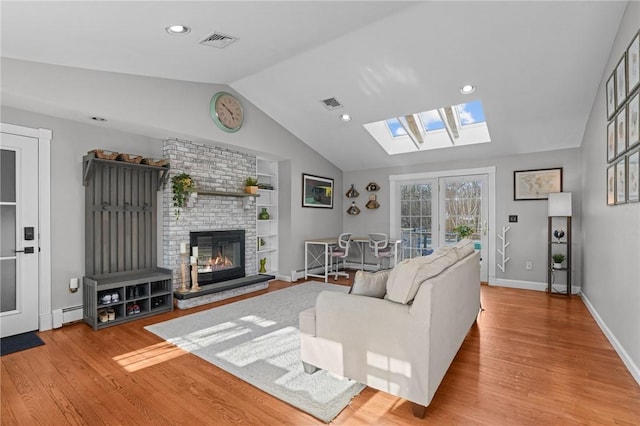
251 185
558 258
463 231
182 186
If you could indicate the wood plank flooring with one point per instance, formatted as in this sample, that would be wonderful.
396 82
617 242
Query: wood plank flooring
531 360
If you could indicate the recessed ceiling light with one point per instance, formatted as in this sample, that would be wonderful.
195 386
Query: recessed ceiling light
178 29
345 117
467 89
98 119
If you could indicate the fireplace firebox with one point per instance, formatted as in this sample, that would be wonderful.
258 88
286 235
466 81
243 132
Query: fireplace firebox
220 255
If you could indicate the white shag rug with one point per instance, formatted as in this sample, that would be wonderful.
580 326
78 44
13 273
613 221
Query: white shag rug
257 340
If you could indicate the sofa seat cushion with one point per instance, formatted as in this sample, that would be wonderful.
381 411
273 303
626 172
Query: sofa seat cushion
405 279
370 284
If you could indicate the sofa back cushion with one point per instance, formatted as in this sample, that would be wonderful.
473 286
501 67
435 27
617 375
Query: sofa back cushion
405 279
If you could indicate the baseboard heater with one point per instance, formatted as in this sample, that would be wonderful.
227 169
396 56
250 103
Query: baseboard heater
66 315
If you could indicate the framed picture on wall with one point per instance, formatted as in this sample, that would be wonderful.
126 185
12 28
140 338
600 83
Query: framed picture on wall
633 120
317 191
621 81
633 64
611 185
611 96
621 181
611 141
633 177
621 131
536 184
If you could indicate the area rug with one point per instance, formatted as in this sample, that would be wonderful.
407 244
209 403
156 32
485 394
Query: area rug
257 340
19 342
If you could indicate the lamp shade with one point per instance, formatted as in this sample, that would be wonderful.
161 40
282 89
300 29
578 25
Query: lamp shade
560 204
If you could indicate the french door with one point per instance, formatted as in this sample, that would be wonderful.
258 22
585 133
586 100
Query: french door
19 244
427 210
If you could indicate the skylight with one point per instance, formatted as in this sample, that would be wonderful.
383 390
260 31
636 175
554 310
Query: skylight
457 125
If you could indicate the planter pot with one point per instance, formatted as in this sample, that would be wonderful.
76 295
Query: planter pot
251 189
557 265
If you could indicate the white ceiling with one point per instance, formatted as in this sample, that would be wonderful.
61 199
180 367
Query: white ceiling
537 65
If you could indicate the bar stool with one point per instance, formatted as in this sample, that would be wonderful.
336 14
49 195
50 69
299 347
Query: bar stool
341 251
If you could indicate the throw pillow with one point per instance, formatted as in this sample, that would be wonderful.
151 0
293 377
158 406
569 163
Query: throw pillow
370 284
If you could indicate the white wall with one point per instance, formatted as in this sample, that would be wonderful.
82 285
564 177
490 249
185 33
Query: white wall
528 237
160 108
71 140
611 235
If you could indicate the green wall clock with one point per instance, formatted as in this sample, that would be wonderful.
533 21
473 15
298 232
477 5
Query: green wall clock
226 112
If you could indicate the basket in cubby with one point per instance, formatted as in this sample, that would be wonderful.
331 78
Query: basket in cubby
104 154
129 158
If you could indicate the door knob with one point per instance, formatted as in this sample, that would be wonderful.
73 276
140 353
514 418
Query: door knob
27 250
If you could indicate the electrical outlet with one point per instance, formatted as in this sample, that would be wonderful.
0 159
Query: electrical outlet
528 265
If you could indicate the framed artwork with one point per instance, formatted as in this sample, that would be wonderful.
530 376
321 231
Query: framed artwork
621 81
633 64
611 141
317 191
621 131
633 121
633 177
621 181
536 184
611 185
611 96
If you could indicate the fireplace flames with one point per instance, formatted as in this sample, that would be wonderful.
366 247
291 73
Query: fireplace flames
218 263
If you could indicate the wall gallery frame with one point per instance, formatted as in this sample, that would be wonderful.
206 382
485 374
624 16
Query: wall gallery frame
621 181
621 81
611 96
611 185
633 120
611 141
633 64
536 184
621 132
317 191
633 177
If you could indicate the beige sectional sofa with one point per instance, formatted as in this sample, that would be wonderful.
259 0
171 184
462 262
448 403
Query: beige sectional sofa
397 331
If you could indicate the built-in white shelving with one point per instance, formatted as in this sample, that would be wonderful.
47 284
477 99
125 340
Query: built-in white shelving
267 230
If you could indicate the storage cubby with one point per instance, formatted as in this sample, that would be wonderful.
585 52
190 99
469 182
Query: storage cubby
122 276
151 292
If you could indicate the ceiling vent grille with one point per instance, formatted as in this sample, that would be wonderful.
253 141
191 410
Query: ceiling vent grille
331 104
218 40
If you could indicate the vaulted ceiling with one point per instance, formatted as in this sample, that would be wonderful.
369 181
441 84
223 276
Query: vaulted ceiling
537 66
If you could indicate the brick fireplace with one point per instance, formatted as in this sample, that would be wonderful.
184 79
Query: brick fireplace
216 169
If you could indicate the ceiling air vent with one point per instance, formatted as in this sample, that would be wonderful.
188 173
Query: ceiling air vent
218 40
331 103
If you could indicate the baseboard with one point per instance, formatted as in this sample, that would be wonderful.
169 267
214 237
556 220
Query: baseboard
531 285
624 356
66 315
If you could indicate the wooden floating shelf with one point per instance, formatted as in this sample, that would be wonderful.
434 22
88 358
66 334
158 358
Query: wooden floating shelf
224 193
89 161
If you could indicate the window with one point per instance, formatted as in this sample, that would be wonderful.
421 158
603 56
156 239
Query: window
457 125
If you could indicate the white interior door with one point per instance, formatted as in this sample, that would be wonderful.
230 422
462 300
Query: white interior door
19 244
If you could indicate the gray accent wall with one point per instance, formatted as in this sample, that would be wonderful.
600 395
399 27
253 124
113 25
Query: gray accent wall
611 235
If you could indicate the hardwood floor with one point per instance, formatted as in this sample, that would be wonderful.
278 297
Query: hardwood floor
531 360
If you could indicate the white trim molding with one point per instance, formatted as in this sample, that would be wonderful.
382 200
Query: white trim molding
624 356
528 285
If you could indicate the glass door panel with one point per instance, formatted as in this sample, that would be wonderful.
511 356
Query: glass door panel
416 218
8 230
